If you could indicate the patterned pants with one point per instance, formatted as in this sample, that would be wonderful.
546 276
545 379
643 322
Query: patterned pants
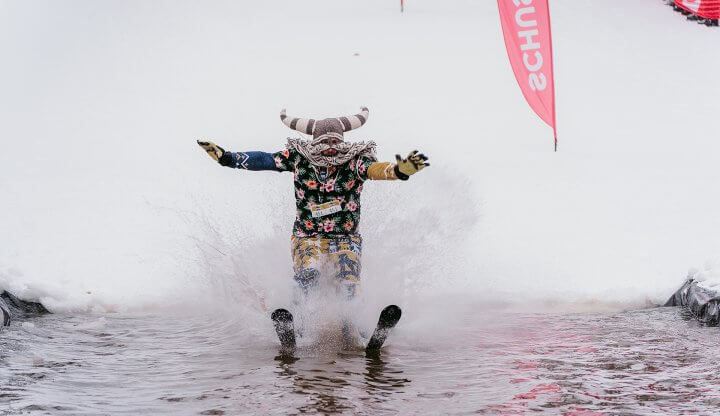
335 257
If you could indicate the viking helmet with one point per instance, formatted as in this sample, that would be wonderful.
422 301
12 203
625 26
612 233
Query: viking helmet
329 127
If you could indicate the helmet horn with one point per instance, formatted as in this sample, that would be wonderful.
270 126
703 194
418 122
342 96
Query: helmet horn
303 125
353 122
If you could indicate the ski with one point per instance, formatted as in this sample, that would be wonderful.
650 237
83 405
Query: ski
389 317
285 329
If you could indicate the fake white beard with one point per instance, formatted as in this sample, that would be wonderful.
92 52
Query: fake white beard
342 149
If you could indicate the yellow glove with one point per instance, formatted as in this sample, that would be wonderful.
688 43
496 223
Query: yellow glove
213 150
411 165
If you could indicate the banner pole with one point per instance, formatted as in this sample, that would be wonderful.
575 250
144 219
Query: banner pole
552 63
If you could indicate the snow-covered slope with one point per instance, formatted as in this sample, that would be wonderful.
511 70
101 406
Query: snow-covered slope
106 197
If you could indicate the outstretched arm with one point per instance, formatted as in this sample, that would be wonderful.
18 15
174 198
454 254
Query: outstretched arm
402 169
240 160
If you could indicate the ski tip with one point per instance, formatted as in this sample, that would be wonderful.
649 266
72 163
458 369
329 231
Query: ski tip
281 315
390 315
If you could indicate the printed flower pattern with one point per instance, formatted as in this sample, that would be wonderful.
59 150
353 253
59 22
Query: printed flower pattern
329 185
343 184
328 226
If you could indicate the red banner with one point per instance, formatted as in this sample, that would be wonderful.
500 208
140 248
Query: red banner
708 9
526 29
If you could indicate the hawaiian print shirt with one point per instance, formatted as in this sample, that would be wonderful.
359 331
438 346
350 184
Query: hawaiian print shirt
327 199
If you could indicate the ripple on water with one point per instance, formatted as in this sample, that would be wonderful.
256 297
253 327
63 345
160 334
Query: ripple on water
639 362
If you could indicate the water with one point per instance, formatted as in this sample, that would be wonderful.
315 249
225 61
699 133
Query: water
639 362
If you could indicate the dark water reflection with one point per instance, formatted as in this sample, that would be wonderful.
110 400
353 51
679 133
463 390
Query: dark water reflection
646 362
335 391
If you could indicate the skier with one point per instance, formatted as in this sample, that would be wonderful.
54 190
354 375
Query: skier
329 175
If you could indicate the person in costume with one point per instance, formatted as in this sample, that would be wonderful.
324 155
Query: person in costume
329 175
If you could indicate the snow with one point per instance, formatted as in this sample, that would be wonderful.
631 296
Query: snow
709 276
105 191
